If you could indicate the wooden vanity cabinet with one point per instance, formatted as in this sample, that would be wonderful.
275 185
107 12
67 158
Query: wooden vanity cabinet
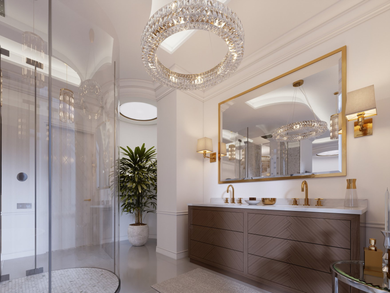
286 250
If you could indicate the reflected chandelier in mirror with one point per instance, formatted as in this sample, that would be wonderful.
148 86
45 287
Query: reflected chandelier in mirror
282 129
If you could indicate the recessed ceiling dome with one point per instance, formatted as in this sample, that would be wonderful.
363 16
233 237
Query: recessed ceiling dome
139 111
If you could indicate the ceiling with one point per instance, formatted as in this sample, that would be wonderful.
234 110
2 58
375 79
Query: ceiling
264 21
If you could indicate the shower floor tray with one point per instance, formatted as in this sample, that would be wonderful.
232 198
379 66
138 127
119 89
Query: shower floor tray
76 280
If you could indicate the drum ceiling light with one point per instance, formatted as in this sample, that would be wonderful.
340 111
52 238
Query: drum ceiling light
182 15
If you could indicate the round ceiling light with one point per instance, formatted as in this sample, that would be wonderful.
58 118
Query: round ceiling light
183 15
139 111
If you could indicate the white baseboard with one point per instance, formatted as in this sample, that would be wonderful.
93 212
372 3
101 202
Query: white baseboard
172 254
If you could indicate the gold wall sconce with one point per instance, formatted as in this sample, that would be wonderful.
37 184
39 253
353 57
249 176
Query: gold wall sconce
205 146
361 105
222 151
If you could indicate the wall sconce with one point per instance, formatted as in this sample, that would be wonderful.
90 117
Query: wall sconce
222 150
361 105
205 146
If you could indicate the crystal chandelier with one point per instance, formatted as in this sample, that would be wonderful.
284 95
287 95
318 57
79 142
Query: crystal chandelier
231 153
33 46
334 126
66 109
91 98
182 15
300 130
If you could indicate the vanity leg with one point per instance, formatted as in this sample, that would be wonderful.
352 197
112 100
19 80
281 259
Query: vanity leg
335 283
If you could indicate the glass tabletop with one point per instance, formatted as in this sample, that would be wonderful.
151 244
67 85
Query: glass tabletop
354 270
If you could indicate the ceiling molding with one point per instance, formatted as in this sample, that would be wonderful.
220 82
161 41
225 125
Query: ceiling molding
337 25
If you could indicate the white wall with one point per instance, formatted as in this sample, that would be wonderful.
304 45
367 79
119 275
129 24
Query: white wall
368 158
133 135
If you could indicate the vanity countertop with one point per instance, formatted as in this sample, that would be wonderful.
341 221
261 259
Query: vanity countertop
334 206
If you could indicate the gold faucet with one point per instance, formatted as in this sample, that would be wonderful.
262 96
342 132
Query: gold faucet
232 199
303 185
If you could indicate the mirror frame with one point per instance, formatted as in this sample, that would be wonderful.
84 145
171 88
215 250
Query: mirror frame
343 51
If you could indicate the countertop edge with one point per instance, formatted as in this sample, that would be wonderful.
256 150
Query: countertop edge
335 210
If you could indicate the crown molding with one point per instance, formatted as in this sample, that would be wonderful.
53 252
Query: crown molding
286 48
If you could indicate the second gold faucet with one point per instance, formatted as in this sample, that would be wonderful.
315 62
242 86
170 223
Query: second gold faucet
232 199
303 186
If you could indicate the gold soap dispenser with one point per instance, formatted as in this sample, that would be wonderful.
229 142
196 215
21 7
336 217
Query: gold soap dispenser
373 260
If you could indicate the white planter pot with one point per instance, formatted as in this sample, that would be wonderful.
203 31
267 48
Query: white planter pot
138 235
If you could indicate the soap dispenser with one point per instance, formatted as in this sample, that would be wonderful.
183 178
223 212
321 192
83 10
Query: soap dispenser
373 259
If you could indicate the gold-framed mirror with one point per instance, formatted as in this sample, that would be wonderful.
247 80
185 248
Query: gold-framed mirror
290 127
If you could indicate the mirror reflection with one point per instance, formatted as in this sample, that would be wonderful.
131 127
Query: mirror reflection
288 127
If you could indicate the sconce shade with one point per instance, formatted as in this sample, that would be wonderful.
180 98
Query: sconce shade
361 100
205 144
223 149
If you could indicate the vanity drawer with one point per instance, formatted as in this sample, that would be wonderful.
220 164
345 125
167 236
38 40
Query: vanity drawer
295 277
313 256
233 221
217 255
331 232
224 238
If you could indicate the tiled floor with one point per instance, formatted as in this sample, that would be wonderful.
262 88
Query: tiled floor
140 267
65 281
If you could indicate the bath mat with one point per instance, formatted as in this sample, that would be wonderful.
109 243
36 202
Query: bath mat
202 281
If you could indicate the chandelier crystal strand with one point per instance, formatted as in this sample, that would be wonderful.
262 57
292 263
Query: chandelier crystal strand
182 15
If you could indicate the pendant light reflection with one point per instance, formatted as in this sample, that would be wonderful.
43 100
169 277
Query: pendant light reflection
335 126
231 153
66 105
300 130
91 99
33 48
66 108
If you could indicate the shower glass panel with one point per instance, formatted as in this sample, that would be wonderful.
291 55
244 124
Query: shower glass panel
59 206
24 142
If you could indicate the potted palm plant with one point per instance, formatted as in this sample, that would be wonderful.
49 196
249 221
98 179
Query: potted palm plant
138 189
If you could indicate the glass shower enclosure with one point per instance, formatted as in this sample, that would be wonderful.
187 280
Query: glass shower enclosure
59 209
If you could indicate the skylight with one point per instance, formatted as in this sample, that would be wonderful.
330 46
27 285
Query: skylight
139 111
172 43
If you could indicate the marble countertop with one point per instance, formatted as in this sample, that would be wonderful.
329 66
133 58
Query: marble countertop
335 206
